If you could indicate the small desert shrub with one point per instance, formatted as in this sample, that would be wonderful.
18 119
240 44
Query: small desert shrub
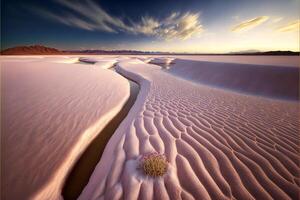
154 164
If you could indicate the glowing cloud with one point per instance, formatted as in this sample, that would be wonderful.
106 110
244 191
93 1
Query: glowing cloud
181 26
175 26
90 16
292 26
278 19
249 24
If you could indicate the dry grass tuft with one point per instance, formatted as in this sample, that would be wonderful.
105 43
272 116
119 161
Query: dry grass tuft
154 164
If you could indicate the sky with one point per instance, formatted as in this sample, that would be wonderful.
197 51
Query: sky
181 26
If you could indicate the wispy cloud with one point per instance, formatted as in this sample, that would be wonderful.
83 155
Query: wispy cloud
182 26
278 19
249 24
90 16
292 26
70 20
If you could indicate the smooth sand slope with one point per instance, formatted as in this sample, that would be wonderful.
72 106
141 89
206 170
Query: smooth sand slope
220 144
290 61
271 81
50 112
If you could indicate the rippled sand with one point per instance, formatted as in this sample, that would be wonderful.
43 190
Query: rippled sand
222 141
50 113
220 144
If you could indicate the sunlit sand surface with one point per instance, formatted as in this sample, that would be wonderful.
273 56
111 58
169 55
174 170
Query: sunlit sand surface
221 144
229 131
50 113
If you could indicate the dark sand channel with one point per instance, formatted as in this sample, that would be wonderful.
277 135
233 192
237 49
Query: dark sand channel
83 169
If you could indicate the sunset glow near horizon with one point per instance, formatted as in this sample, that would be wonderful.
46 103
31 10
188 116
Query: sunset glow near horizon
190 26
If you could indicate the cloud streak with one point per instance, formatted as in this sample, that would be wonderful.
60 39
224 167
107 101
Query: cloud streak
249 24
292 26
90 16
181 26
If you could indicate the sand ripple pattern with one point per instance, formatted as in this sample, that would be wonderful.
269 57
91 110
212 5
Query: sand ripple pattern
50 112
220 144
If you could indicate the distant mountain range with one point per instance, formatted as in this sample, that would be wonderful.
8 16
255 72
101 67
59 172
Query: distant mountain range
250 52
43 50
31 50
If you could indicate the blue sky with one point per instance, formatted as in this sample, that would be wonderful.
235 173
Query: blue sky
158 25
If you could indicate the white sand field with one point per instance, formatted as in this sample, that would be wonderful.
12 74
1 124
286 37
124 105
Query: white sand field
50 113
229 131
220 144
260 60
265 80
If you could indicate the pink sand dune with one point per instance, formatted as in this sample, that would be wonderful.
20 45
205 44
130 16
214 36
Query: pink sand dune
272 81
291 61
50 113
220 144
